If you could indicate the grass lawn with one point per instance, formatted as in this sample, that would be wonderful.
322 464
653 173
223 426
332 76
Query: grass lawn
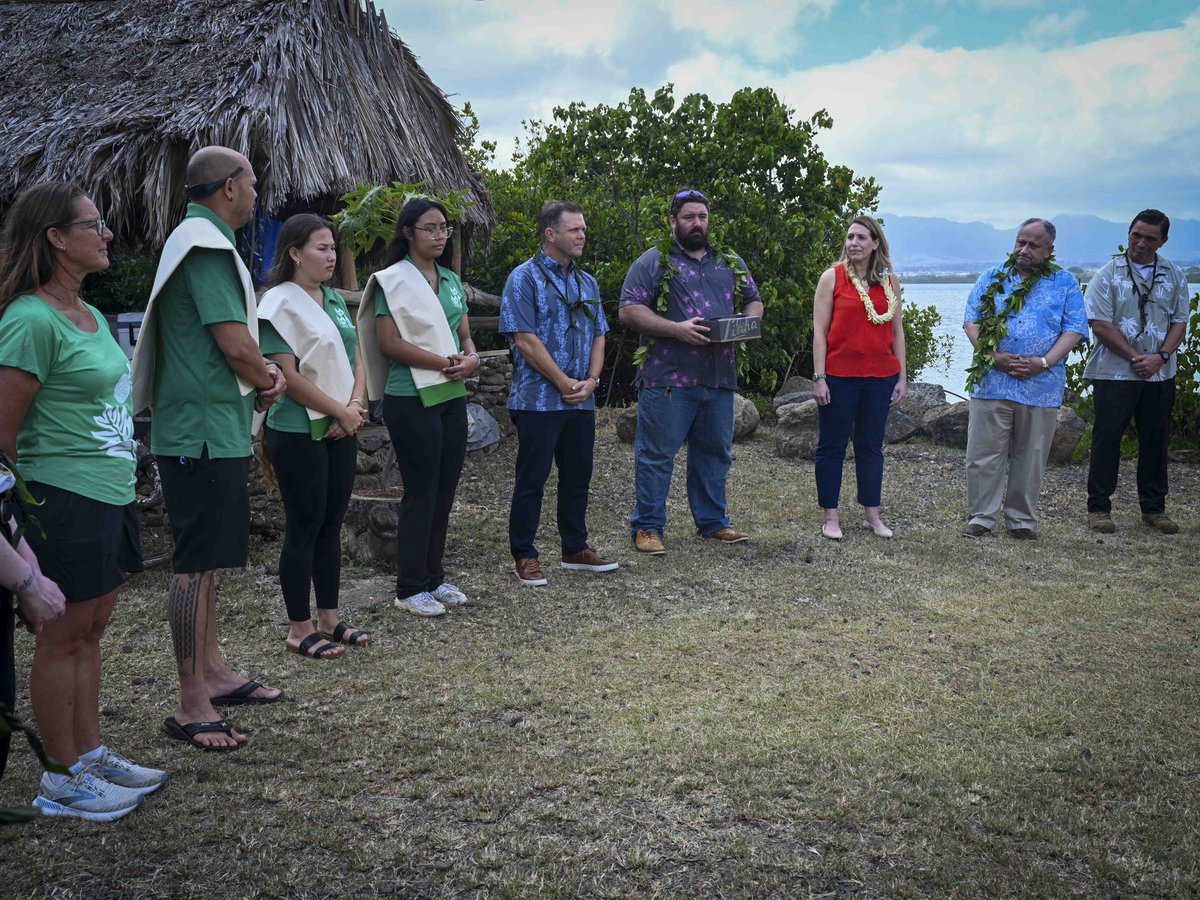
790 717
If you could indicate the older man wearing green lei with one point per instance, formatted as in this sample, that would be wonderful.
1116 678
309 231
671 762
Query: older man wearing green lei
199 366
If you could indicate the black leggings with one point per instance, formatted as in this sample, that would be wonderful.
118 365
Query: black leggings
315 480
430 444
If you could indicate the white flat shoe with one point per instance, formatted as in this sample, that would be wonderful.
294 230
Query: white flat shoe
880 530
831 531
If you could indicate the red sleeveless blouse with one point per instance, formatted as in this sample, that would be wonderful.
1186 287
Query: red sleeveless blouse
856 347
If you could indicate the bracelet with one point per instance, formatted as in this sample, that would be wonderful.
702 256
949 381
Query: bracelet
818 376
271 362
359 401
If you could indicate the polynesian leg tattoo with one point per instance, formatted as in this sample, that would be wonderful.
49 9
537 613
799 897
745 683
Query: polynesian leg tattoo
184 609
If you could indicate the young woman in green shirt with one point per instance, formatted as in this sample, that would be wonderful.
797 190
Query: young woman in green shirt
66 419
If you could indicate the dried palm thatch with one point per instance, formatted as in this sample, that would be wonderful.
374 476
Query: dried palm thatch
318 93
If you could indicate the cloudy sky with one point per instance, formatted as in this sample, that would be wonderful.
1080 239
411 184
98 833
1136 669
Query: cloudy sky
974 110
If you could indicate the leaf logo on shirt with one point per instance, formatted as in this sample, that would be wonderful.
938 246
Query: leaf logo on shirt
342 318
116 432
456 297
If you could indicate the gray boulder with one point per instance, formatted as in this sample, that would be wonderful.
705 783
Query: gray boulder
947 424
907 420
627 424
782 400
745 417
796 433
1067 433
796 384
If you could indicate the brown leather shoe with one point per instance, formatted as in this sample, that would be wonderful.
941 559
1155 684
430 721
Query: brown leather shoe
1160 522
529 570
1101 522
588 560
729 536
649 542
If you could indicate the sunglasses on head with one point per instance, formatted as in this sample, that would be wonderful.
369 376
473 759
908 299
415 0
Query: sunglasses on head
691 195
200 191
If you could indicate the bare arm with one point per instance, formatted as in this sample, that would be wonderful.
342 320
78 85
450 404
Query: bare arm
645 320
539 357
1110 336
581 390
466 362
822 317
396 348
305 392
39 600
898 348
17 388
242 354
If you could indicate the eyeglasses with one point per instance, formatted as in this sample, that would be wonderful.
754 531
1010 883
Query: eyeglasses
437 230
200 191
97 225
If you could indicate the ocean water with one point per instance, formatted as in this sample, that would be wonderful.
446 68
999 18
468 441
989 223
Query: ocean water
949 300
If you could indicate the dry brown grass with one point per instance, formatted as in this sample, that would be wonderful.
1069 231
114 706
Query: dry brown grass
929 716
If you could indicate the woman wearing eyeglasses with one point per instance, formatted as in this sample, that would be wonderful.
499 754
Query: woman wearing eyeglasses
66 418
416 337
859 370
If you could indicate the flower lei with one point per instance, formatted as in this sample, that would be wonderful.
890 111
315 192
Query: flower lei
874 317
670 269
993 325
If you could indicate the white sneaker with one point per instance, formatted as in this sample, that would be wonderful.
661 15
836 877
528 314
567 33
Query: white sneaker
84 796
116 769
449 595
422 604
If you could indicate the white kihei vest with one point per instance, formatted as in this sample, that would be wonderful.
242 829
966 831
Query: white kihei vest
191 233
316 341
420 320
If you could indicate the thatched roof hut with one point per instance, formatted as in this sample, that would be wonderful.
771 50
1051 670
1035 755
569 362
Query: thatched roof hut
117 94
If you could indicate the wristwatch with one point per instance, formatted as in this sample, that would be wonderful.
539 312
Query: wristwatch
1166 357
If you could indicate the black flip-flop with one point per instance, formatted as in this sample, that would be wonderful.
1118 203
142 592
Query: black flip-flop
187 733
242 696
344 634
329 651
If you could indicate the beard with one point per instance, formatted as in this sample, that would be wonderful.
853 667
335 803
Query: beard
696 239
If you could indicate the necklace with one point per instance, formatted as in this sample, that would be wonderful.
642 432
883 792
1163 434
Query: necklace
993 323
72 303
874 317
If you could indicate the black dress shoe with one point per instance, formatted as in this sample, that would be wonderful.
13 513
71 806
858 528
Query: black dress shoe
1023 534
976 530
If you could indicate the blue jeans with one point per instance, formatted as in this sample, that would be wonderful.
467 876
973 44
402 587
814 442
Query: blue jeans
701 416
858 405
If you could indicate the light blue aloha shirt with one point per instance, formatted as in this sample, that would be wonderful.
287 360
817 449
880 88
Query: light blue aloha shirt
561 308
1055 305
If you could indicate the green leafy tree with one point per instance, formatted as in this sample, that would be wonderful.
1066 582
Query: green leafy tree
774 197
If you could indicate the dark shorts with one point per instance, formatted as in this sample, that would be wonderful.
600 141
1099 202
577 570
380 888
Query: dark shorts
208 503
84 546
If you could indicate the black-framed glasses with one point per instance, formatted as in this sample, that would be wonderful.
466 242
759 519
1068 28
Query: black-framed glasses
200 191
97 225
437 230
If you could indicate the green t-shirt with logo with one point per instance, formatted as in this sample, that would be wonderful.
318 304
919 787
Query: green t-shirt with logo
197 401
289 414
78 432
454 304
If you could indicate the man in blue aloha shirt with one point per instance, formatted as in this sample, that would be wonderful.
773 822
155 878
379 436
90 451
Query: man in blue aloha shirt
686 387
1014 410
552 310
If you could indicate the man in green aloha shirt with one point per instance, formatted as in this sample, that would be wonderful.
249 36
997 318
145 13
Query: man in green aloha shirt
208 378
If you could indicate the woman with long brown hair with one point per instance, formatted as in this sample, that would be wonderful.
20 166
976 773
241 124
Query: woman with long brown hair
66 419
306 328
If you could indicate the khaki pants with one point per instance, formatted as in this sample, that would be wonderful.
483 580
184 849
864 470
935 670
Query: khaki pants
1008 444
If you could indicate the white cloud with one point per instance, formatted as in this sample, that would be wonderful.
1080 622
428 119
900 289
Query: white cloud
1007 131
1054 26
762 29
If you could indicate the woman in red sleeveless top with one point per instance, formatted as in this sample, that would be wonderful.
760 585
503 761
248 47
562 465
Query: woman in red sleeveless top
859 369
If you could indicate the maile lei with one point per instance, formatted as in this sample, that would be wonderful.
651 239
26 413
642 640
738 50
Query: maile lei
670 269
993 324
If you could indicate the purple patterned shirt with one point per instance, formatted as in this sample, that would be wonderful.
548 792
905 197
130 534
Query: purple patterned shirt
703 288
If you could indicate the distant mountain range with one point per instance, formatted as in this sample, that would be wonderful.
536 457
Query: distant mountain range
921 244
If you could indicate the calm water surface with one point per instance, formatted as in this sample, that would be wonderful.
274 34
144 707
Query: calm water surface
949 300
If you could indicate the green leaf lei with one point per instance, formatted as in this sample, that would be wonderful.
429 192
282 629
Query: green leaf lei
993 325
670 269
